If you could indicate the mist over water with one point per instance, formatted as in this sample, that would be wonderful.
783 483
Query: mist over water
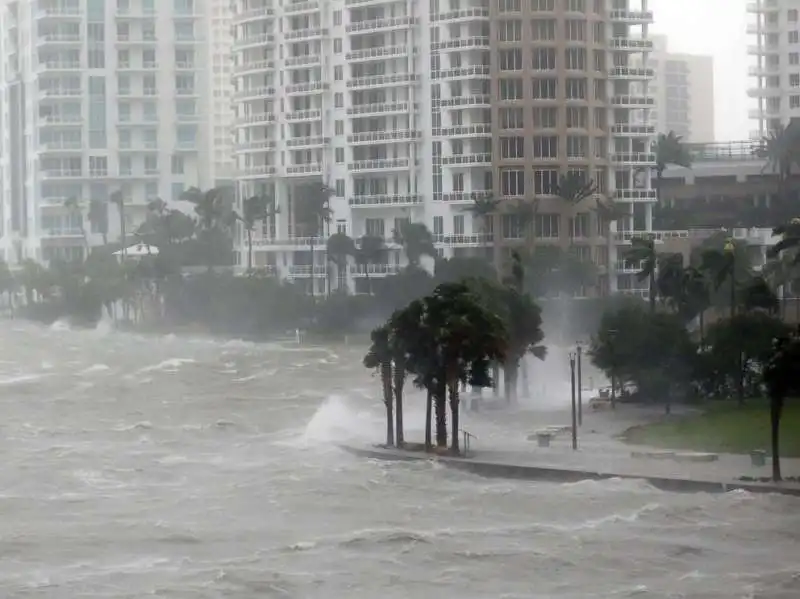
138 466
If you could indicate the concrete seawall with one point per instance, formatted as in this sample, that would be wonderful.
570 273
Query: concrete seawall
556 474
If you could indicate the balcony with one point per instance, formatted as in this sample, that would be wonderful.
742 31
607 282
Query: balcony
309 87
462 15
376 25
305 34
290 242
475 41
763 49
62 146
629 130
764 92
477 130
257 66
379 164
254 93
628 44
635 195
475 71
257 172
631 73
61 119
633 101
378 201
374 270
298 143
304 170
301 7
64 173
379 53
250 120
626 267
764 70
466 197
62 233
467 160
302 61
260 13
763 6
306 270
481 101
301 116
632 17
634 158
66 93
58 39
364 110
474 240
252 41
60 12
60 65
382 137
382 81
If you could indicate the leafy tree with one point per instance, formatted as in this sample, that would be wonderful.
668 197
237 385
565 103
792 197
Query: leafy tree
573 188
119 201
73 206
339 248
780 149
7 282
371 250
669 149
416 240
739 347
255 209
651 350
781 380
379 357
644 252
789 242
757 295
215 219
485 208
463 268
670 280
98 218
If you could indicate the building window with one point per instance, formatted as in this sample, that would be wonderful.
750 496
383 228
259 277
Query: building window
337 45
547 226
337 17
512 182
545 146
576 89
458 224
339 186
543 29
512 147
575 30
338 72
545 117
509 5
177 164
510 89
576 59
543 59
338 100
543 5
577 117
375 227
510 60
545 181
339 155
509 31
545 89
511 118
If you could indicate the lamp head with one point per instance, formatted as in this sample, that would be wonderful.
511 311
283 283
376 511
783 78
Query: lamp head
729 247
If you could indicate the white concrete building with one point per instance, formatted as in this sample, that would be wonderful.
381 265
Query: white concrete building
98 96
775 62
390 104
684 91
221 88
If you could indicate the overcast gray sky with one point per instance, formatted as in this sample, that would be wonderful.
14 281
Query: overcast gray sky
715 27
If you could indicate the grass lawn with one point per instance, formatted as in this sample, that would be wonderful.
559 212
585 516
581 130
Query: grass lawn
727 429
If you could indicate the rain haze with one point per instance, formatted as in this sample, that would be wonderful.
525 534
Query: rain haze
389 299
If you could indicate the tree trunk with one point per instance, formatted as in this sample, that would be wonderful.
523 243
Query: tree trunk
742 364
399 381
441 413
613 393
386 379
775 409
249 251
495 379
702 328
428 420
653 290
369 284
454 401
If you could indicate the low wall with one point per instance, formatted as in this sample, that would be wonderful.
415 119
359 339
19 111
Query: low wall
557 474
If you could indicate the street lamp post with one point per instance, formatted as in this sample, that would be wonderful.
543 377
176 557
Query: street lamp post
580 386
730 250
572 357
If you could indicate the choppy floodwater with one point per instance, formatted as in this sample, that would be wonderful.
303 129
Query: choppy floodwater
139 466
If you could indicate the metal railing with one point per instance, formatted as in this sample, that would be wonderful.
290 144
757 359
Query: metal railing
468 436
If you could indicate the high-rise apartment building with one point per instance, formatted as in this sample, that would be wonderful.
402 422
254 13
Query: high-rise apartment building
775 68
411 110
684 91
98 97
221 90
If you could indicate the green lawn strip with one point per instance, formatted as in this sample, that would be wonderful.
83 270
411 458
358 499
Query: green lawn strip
727 429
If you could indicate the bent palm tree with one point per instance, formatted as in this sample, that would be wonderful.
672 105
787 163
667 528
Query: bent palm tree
73 206
573 188
339 247
644 252
416 240
669 149
379 357
98 218
371 250
485 208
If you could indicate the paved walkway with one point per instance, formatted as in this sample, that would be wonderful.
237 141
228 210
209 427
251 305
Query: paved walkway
502 449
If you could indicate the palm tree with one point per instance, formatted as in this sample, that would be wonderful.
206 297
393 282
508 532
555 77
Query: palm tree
720 266
780 378
790 240
780 151
312 214
695 297
371 250
757 295
339 247
643 251
782 272
214 209
572 189
669 149
485 208
98 218
7 283
379 357
416 240
670 280
255 209
119 201
73 206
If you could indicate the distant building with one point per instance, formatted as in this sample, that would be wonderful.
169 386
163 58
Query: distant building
775 68
684 91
